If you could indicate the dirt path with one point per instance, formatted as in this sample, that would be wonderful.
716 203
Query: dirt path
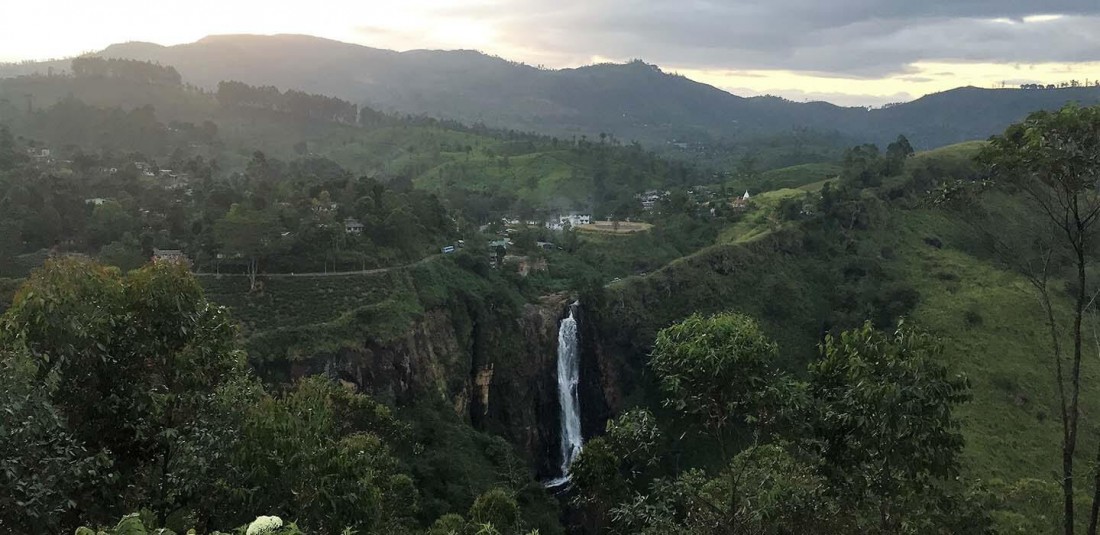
323 273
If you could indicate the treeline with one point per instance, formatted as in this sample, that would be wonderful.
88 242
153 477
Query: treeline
73 123
866 443
1062 85
126 69
298 103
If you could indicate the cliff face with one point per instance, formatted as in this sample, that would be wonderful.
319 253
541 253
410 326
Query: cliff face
602 380
497 367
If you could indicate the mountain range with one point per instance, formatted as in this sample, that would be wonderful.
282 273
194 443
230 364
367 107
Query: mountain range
632 101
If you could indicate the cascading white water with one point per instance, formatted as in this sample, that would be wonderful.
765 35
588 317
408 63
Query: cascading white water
568 381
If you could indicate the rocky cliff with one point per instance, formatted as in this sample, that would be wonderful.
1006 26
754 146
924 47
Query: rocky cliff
495 365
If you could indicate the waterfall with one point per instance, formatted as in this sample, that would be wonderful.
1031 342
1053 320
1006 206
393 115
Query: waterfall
568 381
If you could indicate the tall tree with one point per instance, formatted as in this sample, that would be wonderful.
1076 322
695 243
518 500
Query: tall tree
249 233
1053 159
883 421
141 363
722 370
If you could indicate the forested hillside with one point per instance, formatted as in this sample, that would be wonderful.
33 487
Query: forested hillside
633 101
171 122
251 300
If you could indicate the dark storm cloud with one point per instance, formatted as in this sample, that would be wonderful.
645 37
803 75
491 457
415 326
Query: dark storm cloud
862 38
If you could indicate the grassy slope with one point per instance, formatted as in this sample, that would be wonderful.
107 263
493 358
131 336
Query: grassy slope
988 318
799 175
757 222
994 332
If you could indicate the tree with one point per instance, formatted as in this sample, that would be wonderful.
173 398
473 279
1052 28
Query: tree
778 493
1053 159
448 524
613 466
321 456
900 149
882 417
863 166
42 465
896 153
250 233
497 508
11 243
747 167
143 366
719 368
125 253
108 223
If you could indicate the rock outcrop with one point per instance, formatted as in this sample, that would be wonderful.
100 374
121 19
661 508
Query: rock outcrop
496 368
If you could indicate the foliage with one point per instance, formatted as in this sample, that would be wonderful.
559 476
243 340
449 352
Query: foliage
294 102
497 508
148 403
868 443
763 490
140 364
1051 160
320 455
882 417
42 465
131 70
611 467
720 368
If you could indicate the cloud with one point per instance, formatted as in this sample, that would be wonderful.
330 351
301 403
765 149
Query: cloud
850 38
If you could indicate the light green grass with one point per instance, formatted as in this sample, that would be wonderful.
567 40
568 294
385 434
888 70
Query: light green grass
758 220
994 332
799 175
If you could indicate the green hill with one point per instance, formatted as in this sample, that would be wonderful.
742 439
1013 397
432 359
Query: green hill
448 158
910 260
633 101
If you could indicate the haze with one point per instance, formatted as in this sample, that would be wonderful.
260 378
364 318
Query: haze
851 52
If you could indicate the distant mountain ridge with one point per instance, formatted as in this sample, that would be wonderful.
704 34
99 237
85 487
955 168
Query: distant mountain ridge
633 101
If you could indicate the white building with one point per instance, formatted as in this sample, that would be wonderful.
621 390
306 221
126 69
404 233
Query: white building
576 220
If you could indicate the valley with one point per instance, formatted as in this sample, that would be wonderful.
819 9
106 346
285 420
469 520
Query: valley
434 317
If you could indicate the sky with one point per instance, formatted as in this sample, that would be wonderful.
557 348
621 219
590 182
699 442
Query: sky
850 52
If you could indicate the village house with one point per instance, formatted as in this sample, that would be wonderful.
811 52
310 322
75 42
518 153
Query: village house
499 243
650 198
170 255
322 208
95 201
353 226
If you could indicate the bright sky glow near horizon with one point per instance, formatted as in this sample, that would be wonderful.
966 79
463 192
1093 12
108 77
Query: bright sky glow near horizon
850 52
